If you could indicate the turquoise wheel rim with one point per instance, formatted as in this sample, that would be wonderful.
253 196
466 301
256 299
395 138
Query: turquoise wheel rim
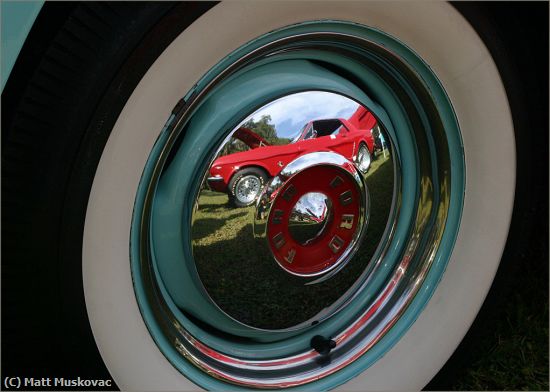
402 92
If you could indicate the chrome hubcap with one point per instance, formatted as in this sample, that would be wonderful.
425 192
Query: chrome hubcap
328 183
307 225
238 295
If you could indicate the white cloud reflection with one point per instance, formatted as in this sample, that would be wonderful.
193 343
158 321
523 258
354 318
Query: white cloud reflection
290 113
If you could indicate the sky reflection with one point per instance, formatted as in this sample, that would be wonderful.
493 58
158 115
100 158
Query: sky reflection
290 113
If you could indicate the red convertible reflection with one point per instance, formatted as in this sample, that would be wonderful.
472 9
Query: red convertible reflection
242 174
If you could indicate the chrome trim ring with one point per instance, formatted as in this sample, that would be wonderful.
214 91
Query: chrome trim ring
377 301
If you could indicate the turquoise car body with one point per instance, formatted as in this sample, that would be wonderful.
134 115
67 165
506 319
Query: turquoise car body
17 20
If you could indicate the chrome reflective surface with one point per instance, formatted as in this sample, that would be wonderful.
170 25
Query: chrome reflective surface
305 270
309 217
218 235
334 175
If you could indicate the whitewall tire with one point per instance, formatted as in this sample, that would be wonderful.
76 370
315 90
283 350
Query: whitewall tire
452 49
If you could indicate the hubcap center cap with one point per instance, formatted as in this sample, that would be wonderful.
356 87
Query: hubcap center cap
309 217
316 212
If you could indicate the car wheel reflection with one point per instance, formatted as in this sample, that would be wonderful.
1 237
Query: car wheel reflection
246 185
363 158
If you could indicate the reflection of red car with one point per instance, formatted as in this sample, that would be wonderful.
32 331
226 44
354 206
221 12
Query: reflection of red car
243 174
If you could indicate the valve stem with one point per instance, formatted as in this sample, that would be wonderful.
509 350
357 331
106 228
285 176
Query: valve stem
322 345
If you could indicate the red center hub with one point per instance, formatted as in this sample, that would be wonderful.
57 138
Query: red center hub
329 246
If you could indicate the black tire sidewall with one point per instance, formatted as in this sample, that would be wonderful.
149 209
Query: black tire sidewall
48 179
